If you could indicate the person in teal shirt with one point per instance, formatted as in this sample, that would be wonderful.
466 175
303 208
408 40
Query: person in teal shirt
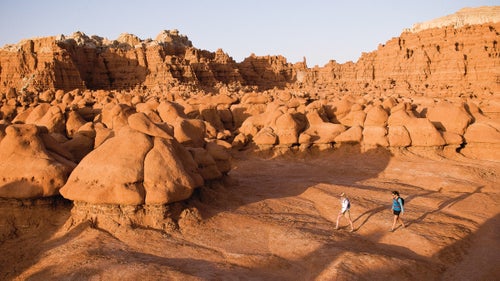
397 209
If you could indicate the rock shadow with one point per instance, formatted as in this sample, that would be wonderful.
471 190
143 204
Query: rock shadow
259 180
97 69
26 227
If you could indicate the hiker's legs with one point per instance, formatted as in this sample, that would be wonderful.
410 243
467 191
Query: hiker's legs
338 219
401 220
396 217
350 221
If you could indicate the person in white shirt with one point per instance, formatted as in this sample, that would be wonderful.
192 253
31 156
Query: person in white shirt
344 211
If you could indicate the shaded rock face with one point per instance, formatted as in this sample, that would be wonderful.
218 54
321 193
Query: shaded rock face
27 168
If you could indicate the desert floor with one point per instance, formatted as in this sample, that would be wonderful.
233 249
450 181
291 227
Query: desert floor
274 219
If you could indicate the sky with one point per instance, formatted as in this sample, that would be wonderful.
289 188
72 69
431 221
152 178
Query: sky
319 30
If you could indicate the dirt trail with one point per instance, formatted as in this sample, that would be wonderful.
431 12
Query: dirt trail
276 222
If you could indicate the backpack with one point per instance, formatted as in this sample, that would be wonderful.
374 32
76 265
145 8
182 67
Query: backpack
402 200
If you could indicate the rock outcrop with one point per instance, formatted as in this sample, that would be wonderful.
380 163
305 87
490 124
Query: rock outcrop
132 121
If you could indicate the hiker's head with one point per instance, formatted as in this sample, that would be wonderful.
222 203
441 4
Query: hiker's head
342 194
395 193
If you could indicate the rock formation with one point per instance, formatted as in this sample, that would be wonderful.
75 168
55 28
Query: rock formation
100 117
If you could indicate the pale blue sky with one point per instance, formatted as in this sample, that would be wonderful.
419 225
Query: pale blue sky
320 30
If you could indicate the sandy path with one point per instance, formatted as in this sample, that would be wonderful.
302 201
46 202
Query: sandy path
275 222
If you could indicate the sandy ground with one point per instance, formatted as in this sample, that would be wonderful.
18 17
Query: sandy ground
274 220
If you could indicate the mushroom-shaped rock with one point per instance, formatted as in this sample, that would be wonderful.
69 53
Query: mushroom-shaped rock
140 122
190 132
423 133
113 173
449 117
351 135
398 136
376 116
27 168
168 176
170 111
265 136
288 129
375 136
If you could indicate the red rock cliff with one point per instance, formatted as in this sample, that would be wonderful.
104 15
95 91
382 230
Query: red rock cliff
439 61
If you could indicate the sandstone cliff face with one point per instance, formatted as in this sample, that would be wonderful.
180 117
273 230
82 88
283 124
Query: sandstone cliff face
439 61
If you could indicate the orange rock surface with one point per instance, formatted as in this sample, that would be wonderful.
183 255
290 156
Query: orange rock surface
151 159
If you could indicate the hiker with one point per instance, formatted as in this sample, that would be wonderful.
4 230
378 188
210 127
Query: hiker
344 211
397 209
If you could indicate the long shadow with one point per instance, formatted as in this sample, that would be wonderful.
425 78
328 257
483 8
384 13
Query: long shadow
29 223
474 257
340 166
343 168
447 203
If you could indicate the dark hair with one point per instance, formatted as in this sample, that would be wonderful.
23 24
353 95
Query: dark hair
395 193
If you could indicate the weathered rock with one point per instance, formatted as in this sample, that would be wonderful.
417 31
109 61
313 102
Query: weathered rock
73 122
113 173
398 136
190 132
449 117
423 133
27 169
374 136
288 129
376 116
206 164
165 177
351 135
140 122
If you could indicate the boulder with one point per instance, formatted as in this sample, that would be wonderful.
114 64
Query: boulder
423 133
375 136
169 111
265 136
140 122
449 117
166 179
113 173
398 136
287 129
376 116
482 132
73 122
190 132
207 166
27 168
351 135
